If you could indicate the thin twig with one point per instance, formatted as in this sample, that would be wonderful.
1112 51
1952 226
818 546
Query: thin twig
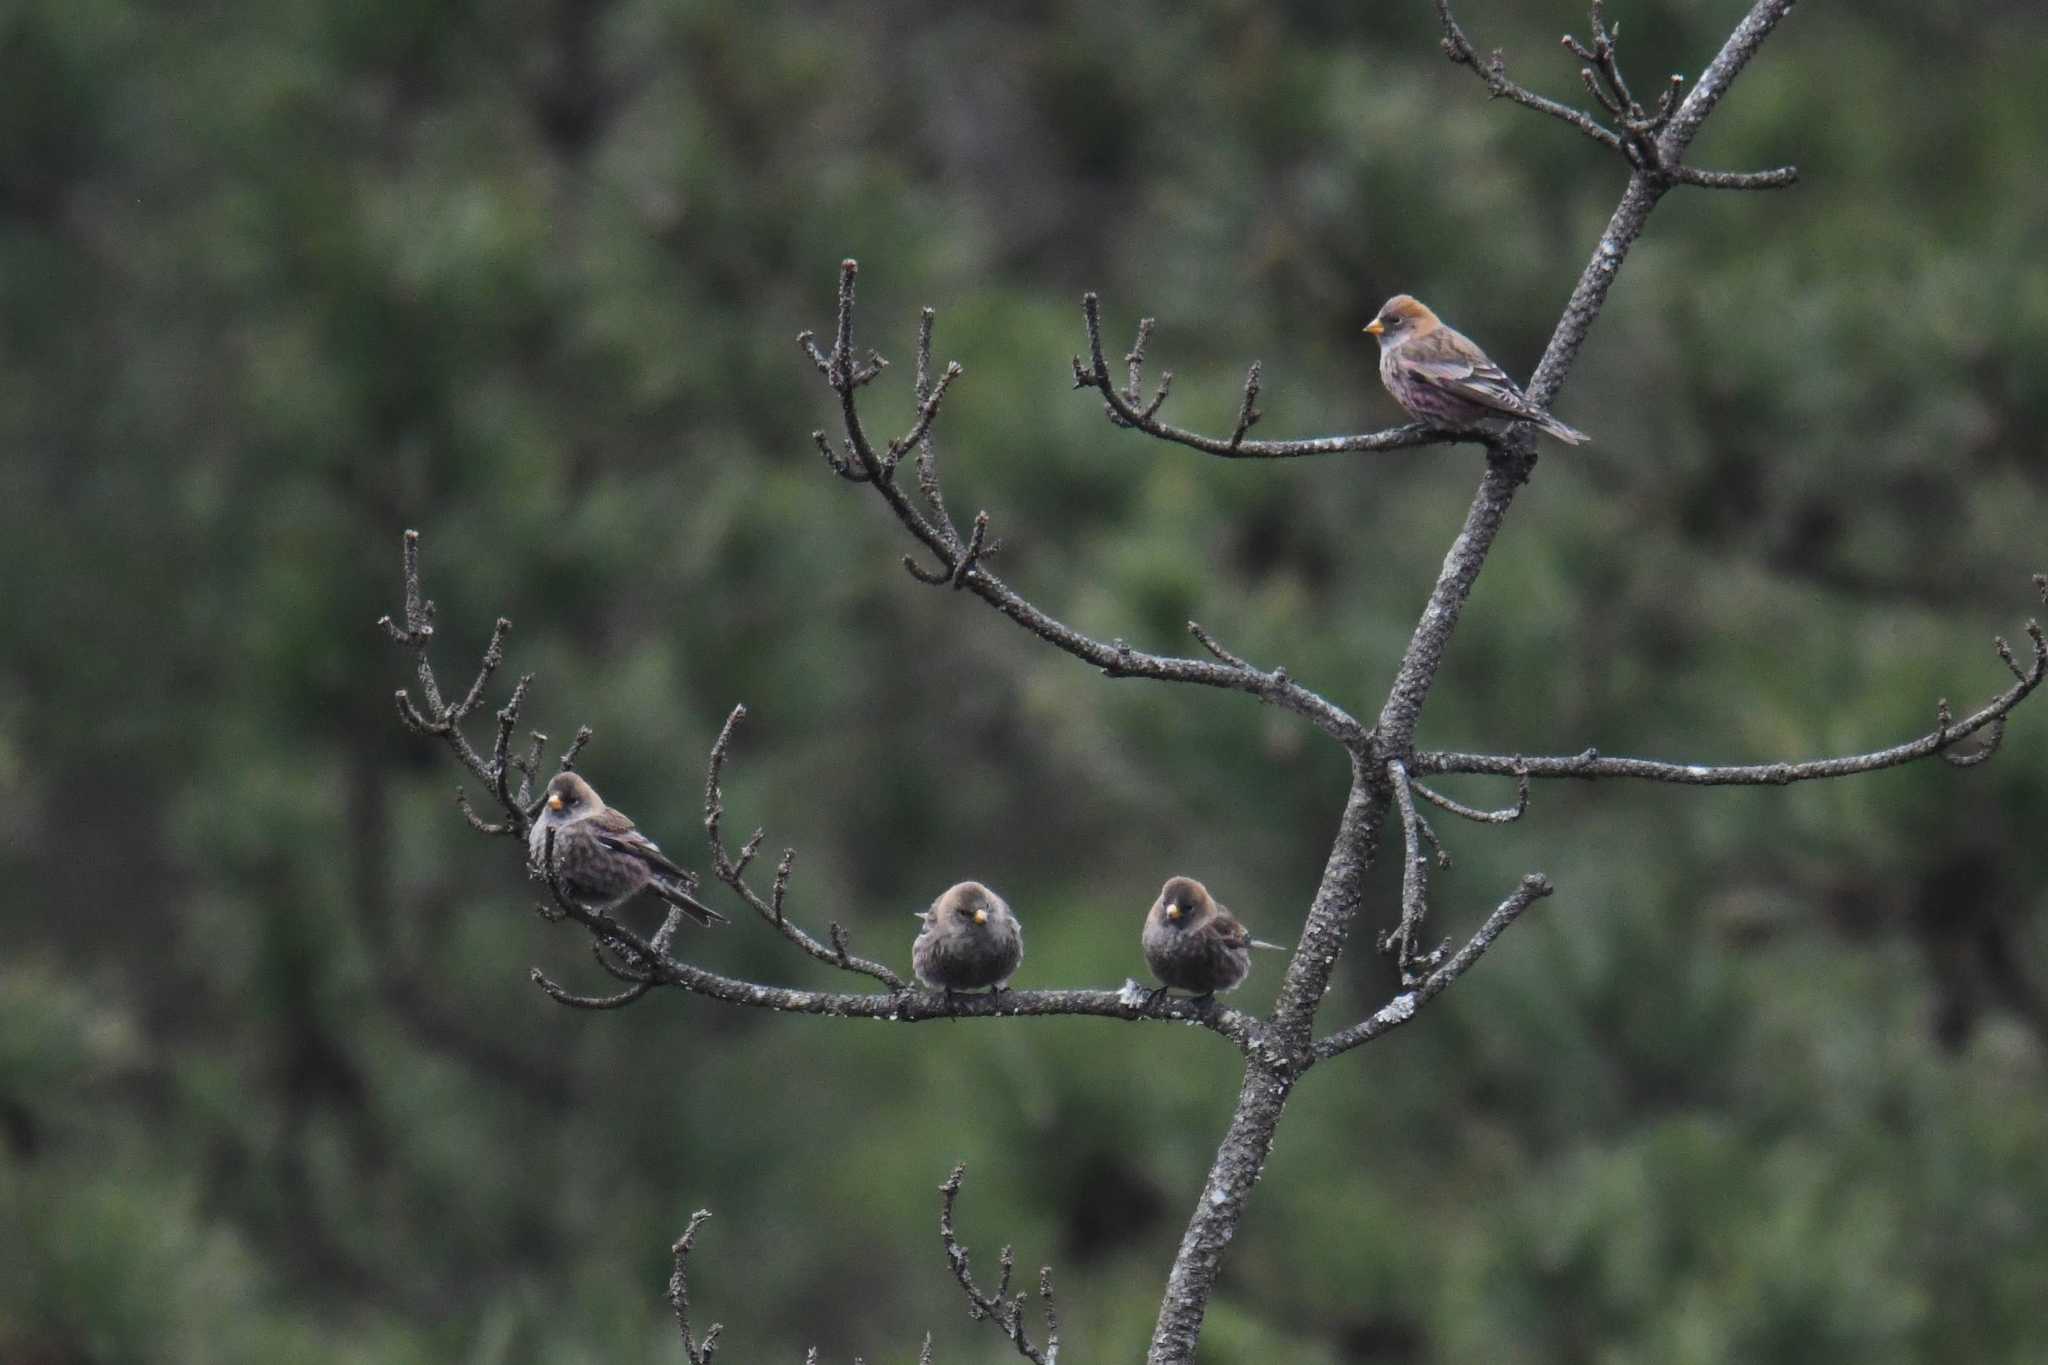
1593 764
1505 816
563 996
1493 70
1782 177
1248 413
1125 412
698 1353
1402 1008
435 717
1652 140
1209 643
927 455
1401 940
733 872
1002 1308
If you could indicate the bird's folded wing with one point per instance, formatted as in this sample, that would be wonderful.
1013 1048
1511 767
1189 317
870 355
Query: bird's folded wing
1230 931
1481 382
638 845
611 821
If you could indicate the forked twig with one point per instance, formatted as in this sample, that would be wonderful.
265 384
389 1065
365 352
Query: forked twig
1002 1308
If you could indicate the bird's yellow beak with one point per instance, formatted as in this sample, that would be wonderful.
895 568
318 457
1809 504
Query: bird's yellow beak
1374 328
555 802
981 917
1173 912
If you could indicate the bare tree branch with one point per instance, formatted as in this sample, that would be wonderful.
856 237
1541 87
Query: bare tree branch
650 963
562 996
1402 1008
1401 940
1511 458
1002 1308
733 872
697 1352
962 569
927 395
1653 140
1782 177
1271 1072
444 722
1385 764
1123 410
1493 70
1505 816
1592 763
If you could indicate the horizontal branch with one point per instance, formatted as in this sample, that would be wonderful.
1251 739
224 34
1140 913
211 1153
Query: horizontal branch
642 964
1124 410
1946 733
911 1007
650 964
1402 1008
1783 177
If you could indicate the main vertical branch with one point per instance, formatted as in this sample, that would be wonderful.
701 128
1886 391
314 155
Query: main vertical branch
1509 461
1271 1072
1239 1162
1271 1069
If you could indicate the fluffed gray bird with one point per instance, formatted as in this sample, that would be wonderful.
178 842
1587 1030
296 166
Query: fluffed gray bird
970 940
1442 378
600 859
1192 943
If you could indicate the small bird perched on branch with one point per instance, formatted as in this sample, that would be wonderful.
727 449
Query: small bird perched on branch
600 859
970 940
1193 943
1441 378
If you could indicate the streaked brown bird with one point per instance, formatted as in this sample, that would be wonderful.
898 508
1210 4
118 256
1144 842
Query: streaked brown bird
1192 943
1440 377
600 859
970 941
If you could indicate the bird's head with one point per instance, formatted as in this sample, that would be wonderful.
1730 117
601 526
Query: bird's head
1401 317
570 797
1182 901
969 905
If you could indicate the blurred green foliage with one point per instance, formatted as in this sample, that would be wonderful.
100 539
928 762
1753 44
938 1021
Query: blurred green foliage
1764 1082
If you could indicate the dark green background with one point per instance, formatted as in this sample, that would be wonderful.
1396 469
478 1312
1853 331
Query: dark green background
1763 1082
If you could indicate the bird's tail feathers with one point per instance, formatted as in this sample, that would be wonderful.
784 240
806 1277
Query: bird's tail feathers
1571 436
688 904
